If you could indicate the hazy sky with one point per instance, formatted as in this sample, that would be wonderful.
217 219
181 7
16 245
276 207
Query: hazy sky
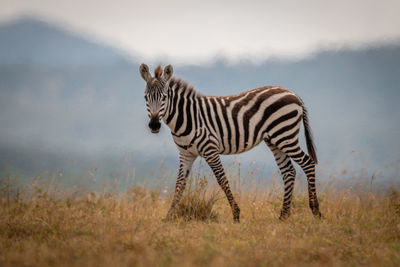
195 31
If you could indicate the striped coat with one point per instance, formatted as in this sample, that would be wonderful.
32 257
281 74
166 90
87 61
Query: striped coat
208 126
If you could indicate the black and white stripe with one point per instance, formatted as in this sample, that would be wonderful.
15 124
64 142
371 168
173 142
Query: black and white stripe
208 126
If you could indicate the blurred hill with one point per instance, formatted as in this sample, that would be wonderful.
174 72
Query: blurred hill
68 102
30 40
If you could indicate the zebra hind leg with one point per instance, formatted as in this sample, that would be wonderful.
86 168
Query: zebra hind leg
215 164
288 173
308 166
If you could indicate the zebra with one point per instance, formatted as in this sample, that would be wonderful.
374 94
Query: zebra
208 126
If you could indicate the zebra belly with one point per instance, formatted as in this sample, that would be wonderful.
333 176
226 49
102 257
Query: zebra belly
242 148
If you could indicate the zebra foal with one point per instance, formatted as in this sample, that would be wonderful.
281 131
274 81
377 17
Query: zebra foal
208 126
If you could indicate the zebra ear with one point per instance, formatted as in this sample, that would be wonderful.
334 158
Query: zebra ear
168 71
144 72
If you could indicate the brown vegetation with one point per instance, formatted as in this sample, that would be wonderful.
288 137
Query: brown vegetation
49 227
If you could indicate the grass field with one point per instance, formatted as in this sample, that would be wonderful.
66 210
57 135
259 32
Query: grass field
45 226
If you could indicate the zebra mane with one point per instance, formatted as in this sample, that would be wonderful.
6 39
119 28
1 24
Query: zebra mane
182 85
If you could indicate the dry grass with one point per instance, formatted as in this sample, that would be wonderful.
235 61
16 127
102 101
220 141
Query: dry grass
49 227
197 202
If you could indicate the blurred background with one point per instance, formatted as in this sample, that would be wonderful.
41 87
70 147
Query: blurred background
71 97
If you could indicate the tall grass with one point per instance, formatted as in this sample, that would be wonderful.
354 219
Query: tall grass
42 225
197 202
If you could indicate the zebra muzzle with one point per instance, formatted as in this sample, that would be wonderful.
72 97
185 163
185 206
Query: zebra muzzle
154 125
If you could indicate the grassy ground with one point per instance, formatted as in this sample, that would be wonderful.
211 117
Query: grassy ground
50 227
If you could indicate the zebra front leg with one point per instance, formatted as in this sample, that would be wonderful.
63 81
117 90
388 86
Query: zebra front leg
215 163
185 166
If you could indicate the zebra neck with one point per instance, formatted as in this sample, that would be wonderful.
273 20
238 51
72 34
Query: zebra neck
181 111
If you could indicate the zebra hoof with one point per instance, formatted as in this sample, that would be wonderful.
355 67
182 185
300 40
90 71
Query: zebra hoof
317 214
284 215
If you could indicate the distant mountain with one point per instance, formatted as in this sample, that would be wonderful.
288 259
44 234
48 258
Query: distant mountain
65 97
30 40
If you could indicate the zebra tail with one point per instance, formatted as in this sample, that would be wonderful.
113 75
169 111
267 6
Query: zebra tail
309 136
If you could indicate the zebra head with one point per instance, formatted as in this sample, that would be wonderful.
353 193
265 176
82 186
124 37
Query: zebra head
156 93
